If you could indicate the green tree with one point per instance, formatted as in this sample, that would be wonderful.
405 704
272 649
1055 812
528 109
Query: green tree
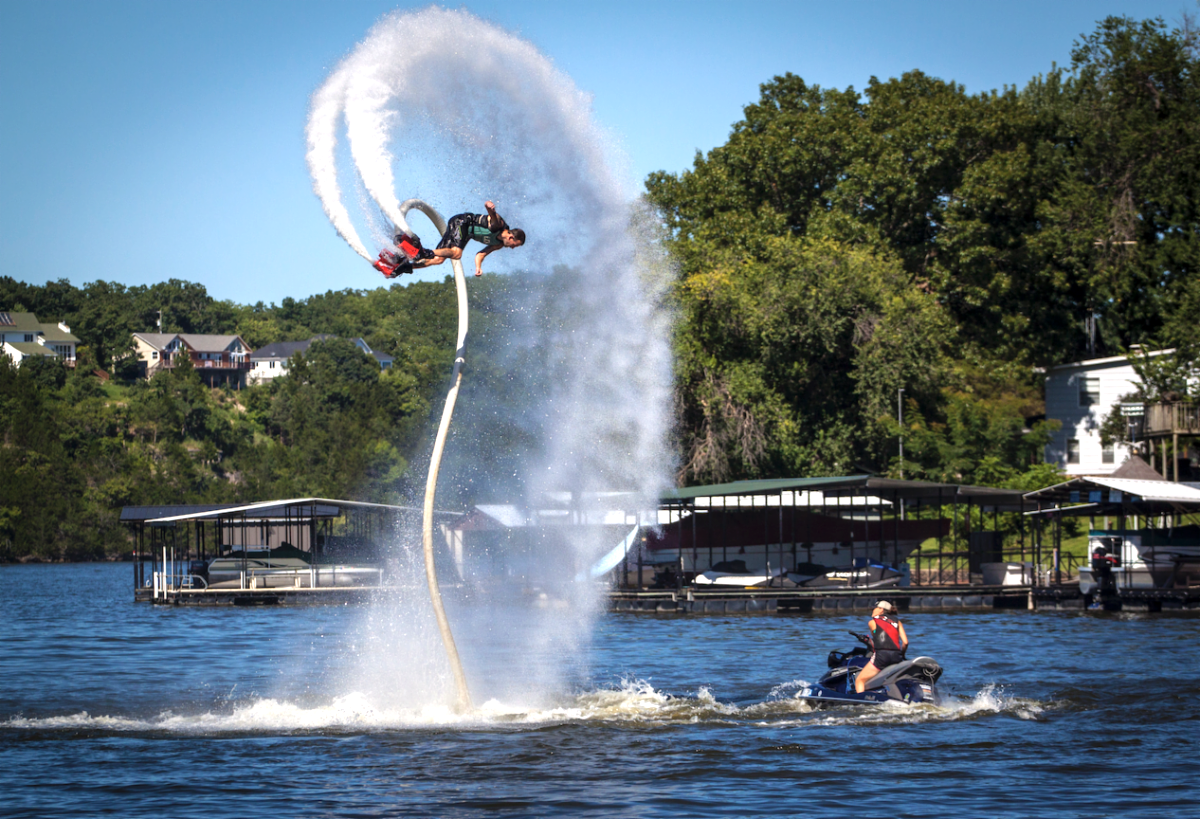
789 357
332 418
41 490
1121 229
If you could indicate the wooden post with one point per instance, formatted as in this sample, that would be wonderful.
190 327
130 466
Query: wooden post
1175 453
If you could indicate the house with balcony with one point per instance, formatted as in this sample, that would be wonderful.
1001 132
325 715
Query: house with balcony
1082 393
219 359
271 361
23 336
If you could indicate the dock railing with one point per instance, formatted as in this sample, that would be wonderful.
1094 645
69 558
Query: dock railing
174 577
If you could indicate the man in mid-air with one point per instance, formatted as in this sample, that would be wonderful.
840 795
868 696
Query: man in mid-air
489 228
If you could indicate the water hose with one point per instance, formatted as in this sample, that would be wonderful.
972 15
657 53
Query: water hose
435 461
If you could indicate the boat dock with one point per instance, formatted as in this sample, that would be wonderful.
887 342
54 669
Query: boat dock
786 546
765 601
1065 597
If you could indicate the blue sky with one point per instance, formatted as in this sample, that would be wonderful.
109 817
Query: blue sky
142 141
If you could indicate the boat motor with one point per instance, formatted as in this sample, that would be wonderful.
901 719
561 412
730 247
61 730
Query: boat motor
1103 564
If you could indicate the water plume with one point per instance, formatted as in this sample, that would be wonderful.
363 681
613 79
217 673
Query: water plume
631 702
568 390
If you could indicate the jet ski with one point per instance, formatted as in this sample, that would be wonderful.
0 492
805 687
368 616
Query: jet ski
909 681
864 575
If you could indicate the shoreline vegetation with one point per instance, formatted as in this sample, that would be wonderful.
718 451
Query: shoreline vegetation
843 248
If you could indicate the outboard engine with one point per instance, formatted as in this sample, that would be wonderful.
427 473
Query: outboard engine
199 568
1103 564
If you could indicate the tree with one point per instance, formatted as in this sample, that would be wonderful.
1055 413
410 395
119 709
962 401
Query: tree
333 421
1005 219
1122 226
39 486
788 358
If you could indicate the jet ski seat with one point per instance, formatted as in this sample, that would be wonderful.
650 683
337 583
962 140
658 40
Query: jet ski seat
926 666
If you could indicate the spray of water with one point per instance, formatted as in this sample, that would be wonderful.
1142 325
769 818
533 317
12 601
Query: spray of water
632 702
570 393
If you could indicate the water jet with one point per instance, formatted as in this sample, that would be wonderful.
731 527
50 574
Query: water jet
571 382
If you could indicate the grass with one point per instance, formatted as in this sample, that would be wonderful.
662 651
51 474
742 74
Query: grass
115 392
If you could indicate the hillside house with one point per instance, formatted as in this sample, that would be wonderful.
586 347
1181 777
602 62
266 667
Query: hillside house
219 359
271 361
23 336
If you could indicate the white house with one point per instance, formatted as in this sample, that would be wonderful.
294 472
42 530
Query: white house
272 361
22 336
1080 395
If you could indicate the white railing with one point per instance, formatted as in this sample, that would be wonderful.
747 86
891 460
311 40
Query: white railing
315 577
174 577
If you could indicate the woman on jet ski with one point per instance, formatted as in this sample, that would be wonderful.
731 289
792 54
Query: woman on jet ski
887 633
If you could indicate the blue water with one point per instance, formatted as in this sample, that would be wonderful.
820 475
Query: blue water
114 708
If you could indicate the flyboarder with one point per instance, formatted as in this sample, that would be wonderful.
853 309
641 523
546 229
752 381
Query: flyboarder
489 228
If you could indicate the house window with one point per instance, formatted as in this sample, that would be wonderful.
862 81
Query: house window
154 355
1106 454
1073 451
1089 391
29 336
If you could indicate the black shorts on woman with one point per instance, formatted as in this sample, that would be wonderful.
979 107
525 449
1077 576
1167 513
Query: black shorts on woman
884 658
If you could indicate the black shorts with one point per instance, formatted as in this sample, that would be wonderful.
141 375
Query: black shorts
883 659
458 231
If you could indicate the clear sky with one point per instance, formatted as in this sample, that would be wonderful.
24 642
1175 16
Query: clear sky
142 141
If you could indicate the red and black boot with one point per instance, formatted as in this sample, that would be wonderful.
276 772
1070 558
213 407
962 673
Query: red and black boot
392 264
411 247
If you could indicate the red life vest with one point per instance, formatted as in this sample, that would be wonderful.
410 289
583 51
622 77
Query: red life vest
886 635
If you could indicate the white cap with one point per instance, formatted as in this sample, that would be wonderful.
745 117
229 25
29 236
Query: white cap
886 606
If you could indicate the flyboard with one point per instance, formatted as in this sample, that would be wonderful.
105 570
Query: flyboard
391 264
435 461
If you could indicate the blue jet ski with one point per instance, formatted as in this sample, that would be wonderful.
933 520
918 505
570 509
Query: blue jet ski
910 681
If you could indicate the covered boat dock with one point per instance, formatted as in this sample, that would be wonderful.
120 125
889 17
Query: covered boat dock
805 544
263 553
1140 521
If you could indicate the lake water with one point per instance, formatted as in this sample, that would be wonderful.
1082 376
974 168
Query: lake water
114 708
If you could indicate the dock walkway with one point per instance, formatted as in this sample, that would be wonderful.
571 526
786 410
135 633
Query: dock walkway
753 601
738 601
